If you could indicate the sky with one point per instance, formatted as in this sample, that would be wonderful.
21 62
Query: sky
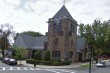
26 15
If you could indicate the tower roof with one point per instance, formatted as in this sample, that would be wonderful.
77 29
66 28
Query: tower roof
63 12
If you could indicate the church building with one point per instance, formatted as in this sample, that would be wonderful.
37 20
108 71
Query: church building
62 41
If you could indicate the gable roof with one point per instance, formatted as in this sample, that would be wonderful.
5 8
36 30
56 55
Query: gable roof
30 42
63 12
80 44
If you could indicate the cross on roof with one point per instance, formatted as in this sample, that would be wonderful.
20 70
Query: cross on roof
64 2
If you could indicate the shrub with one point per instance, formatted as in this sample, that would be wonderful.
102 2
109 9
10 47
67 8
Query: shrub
47 56
32 61
47 62
38 55
57 63
54 63
66 62
20 53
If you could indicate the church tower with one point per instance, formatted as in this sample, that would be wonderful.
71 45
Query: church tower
62 36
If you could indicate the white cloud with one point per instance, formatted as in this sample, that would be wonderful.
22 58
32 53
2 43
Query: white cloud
33 14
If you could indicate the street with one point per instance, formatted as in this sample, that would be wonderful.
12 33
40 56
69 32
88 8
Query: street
4 68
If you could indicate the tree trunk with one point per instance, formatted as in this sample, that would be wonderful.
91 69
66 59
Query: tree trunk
98 53
3 53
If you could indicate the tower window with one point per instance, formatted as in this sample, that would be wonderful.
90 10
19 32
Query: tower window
72 28
54 27
56 41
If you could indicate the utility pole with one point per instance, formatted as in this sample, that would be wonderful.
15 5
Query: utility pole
90 49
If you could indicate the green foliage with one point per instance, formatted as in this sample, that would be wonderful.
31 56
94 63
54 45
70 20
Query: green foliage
85 65
5 34
20 53
46 62
47 56
53 63
58 63
38 55
32 33
32 61
97 33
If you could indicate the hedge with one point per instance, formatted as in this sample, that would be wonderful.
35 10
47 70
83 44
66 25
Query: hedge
46 62
31 61
53 63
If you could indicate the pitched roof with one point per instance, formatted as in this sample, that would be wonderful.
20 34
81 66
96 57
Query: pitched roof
80 44
28 41
63 12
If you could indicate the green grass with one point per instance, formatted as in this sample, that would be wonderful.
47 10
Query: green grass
85 65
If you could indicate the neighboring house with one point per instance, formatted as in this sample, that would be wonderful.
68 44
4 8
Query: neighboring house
82 50
62 39
31 43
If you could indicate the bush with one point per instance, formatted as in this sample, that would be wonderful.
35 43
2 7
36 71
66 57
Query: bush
31 61
20 53
66 62
47 56
38 55
47 62
53 63
58 63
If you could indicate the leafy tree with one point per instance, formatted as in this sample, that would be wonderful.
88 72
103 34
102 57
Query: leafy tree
6 31
32 33
20 53
38 55
95 34
47 56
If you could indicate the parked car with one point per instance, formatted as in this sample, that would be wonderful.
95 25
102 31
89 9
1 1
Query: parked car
100 64
5 60
12 61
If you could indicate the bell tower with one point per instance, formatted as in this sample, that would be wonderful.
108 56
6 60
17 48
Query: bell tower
62 36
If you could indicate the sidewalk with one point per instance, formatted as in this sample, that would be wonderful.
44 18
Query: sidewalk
75 65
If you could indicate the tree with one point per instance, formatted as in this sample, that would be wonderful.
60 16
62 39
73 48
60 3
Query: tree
38 55
32 33
6 31
95 34
20 53
47 56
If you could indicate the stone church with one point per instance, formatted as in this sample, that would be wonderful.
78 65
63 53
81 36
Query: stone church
62 41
